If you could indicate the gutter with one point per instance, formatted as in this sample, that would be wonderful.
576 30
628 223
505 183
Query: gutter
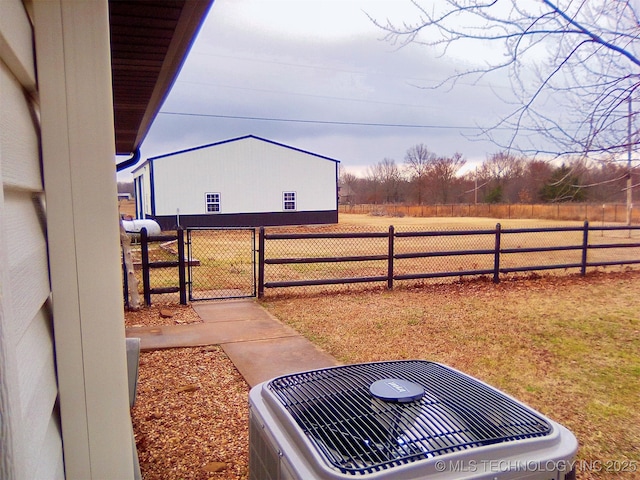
130 162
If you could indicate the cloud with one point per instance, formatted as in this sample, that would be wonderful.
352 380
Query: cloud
313 75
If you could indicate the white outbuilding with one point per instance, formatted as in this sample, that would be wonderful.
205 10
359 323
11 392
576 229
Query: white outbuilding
244 181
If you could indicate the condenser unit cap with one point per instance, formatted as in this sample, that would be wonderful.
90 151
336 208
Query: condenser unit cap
396 390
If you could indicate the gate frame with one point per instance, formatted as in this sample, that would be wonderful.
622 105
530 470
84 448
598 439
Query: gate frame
146 266
191 261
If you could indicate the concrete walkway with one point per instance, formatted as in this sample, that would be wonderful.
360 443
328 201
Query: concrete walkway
260 346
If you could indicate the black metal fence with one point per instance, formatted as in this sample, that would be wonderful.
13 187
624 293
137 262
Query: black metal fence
167 261
222 263
312 259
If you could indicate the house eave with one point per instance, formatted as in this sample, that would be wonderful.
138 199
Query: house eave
150 41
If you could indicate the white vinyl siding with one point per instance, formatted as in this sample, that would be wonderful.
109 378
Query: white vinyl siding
30 432
78 153
27 262
146 191
250 174
142 180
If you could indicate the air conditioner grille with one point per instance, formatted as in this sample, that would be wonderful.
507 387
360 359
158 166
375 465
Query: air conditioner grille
359 434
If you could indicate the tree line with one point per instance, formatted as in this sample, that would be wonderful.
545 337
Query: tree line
425 177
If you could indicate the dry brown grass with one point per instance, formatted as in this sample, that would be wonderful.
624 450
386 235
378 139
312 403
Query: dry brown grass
127 208
594 212
569 347
447 222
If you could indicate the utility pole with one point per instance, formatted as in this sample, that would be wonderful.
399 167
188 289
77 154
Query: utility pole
629 183
475 190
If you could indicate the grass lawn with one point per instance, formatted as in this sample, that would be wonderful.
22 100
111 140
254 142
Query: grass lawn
567 346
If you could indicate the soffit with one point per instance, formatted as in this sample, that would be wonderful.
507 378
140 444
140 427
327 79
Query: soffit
150 40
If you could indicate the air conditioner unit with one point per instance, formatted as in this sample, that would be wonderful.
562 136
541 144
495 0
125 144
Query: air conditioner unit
399 420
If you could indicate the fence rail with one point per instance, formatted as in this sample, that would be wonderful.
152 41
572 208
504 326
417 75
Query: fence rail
311 257
147 265
495 258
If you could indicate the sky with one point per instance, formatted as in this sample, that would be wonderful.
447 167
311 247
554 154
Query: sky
318 75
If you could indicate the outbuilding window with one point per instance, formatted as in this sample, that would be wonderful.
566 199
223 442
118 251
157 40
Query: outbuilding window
212 201
289 200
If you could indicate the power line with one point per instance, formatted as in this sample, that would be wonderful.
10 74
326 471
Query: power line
324 122
310 95
363 72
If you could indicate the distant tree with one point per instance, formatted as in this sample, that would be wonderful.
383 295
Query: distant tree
503 166
348 184
418 160
506 171
443 174
373 184
390 178
494 195
563 186
606 181
537 173
524 196
125 187
384 181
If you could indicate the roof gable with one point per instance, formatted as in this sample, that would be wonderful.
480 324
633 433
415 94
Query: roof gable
238 139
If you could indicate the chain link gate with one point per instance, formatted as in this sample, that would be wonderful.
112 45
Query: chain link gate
221 263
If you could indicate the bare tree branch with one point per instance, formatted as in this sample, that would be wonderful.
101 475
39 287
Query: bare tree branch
573 65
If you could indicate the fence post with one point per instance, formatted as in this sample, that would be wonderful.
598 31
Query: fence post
125 281
182 278
390 260
496 257
261 263
585 247
144 250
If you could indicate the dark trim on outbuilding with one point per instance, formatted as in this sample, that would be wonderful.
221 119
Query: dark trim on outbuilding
152 186
337 186
242 138
170 222
138 197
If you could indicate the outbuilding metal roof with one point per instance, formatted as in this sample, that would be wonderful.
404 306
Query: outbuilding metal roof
245 137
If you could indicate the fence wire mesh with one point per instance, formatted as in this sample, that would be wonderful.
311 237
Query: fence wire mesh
323 250
166 277
516 241
221 263
449 253
428 255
